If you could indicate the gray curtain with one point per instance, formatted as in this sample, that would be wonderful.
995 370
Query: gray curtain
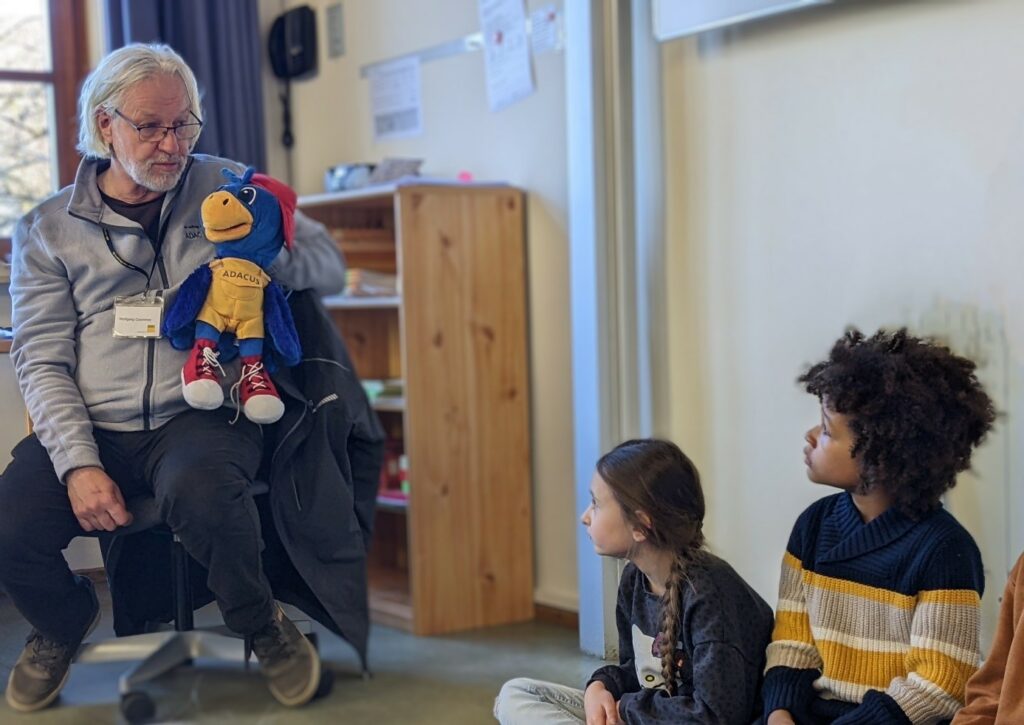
221 42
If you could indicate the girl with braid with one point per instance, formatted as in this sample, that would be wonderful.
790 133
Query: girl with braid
692 633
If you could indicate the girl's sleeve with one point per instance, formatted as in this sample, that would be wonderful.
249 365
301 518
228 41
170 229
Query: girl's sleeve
621 678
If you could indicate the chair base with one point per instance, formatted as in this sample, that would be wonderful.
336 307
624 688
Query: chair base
157 653
161 652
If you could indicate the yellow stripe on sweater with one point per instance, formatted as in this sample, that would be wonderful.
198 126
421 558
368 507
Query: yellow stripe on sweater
869 669
945 672
792 626
878 669
956 597
853 589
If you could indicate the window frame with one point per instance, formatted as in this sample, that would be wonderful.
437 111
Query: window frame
68 67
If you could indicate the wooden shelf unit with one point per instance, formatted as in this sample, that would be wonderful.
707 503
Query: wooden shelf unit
458 554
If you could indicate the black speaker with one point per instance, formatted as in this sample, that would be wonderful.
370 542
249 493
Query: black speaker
292 43
292 46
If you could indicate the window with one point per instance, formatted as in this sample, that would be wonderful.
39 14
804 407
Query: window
42 63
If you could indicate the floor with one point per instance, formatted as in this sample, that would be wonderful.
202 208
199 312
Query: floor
451 679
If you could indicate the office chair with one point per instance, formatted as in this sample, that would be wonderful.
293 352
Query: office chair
161 652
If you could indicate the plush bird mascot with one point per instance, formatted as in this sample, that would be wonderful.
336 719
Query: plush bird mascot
233 300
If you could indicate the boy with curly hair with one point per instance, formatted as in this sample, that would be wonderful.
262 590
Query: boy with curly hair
881 588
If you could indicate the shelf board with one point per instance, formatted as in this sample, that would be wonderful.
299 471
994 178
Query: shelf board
336 197
389 404
394 505
390 597
342 302
387 191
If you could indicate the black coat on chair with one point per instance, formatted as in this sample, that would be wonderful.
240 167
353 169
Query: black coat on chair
322 461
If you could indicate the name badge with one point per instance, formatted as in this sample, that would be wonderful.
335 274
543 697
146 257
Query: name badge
138 315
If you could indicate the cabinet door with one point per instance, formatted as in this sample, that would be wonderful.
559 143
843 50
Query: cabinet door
467 396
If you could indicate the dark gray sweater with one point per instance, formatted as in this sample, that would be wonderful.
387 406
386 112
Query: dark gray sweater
724 630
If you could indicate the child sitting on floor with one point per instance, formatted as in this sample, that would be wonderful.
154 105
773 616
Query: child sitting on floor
879 599
691 632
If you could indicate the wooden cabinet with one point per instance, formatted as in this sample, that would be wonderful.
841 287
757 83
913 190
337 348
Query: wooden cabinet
458 553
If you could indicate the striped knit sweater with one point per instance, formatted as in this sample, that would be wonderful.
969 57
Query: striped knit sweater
876 623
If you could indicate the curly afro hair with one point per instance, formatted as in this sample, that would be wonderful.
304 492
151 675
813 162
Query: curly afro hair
916 411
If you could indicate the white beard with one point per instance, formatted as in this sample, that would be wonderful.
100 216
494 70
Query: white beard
159 181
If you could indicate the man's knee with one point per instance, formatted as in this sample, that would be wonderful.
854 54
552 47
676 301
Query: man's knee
20 530
11 540
202 496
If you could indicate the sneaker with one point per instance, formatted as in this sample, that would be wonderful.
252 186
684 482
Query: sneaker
200 382
43 668
288 661
259 398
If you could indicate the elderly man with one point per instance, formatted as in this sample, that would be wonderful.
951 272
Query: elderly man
110 418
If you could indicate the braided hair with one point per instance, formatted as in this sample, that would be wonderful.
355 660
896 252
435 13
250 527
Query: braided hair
655 477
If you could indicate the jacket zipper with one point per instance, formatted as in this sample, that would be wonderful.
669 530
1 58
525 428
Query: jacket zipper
325 360
273 458
151 352
147 390
291 475
328 399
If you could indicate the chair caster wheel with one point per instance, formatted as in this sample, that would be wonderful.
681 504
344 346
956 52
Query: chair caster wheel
137 707
326 684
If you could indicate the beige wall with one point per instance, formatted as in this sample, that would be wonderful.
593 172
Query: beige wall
860 164
523 144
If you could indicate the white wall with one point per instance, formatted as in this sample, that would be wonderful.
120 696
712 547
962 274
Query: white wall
858 164
523 144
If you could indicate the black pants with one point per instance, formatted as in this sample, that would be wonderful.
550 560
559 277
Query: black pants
198 468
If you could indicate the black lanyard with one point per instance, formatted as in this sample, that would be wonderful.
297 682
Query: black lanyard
128 265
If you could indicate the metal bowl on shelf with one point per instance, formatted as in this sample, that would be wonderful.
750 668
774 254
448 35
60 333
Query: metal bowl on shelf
345 177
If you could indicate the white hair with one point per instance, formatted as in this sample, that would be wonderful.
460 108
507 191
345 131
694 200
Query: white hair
120 70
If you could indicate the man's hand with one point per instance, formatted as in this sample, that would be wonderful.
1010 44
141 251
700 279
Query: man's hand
599 705
96 500
781 717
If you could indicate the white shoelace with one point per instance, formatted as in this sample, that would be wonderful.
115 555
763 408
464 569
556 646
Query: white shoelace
258 383
211 360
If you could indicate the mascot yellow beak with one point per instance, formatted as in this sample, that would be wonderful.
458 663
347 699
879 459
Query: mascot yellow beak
225 217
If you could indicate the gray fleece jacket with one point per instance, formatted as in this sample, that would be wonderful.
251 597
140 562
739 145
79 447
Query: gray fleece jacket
74 374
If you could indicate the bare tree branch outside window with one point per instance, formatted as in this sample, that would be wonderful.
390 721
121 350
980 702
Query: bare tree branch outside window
27 156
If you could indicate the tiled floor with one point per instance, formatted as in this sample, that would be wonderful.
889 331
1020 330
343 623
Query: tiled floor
450 679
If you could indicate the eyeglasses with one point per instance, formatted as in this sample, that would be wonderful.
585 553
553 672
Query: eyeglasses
150 133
